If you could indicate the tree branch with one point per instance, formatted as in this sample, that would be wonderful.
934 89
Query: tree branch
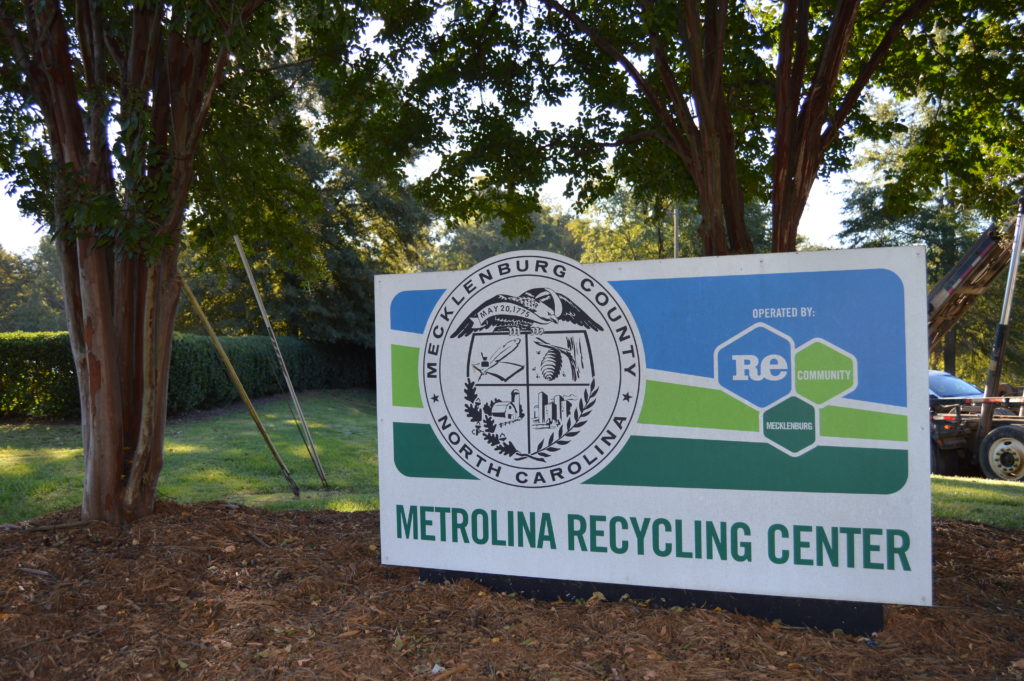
826 76
687 141
217 77
868 70
637 137
12 38
615 53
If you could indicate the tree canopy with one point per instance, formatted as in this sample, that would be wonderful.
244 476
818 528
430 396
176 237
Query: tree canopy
723 103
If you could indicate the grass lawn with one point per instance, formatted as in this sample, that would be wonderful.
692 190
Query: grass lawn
992 502
214 455
220 455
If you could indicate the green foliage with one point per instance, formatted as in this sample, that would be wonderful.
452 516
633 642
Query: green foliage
913 197
460 245
251 179
962 109
626 227
30 291
630 225
874 221
501 96
37 375
361 228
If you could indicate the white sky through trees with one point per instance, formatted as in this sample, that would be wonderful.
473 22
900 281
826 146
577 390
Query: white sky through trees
822 218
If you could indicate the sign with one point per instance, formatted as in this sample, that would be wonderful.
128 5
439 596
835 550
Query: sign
749 424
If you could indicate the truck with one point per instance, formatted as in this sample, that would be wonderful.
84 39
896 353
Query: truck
971 429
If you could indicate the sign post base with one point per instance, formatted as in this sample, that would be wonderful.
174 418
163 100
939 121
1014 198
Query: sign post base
855 618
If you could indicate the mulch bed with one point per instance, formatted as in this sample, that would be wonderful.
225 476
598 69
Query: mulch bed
217 591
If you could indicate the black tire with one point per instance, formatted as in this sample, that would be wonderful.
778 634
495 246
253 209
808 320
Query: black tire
944 461
1001 455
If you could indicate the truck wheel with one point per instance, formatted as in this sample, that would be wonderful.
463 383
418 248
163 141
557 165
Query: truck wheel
1002 453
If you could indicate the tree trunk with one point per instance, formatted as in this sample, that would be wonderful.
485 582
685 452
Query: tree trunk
120 339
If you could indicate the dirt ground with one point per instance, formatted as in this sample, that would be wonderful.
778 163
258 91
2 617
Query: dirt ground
217 591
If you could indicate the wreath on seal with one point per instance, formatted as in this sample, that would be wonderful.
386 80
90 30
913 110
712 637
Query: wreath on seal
484 425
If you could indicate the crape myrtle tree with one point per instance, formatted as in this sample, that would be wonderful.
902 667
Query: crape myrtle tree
723 102
103 107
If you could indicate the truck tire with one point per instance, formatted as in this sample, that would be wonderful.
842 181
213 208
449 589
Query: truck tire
1001 455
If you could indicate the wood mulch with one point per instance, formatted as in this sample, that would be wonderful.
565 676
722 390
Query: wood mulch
217 591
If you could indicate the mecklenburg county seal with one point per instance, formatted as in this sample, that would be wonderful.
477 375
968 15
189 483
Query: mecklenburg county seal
532 370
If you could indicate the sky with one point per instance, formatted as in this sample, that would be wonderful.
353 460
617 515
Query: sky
822 219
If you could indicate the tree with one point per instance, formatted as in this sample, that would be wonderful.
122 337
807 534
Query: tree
11 282
116 205
458 245
102 113
939 181
960 114
624 227
723 103
947 231
30 296
361 228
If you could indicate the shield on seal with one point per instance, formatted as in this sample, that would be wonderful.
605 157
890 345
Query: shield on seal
532 388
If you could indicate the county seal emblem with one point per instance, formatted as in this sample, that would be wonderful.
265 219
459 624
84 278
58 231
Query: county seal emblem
532 370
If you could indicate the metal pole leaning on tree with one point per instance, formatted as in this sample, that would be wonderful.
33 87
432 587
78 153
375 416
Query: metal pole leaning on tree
995 366
303 427
237 383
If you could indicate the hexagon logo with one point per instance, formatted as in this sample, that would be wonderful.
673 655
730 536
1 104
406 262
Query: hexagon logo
790 425
755 365
823 371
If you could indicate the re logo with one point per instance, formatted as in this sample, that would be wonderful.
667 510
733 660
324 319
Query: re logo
754 365
753 368
532 370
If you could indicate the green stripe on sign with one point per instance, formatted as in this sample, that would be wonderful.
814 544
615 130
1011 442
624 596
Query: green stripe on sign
405 386
714 464
862 424
418 454
671 404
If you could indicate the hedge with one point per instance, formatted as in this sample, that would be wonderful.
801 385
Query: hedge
37 374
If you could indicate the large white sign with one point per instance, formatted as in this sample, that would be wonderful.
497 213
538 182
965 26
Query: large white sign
749 424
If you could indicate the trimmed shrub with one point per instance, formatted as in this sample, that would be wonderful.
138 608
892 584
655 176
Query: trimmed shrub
37 376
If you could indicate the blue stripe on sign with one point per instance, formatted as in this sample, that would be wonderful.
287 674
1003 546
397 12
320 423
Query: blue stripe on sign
682 321
410 310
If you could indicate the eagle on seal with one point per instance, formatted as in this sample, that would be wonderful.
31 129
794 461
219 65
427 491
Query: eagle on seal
543 306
